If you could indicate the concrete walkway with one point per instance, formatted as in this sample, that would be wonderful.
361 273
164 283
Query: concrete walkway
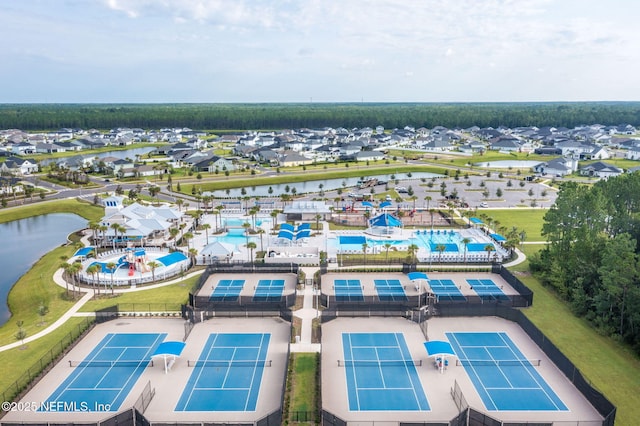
59 322
307 314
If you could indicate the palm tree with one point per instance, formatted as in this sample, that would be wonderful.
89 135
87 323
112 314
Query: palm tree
428 200
466 242
261 233
193 253
187 236
93 270
174 233
206 228
367 215
116 229
153 265
65 267
387 246
216 213
94 226
440 248
103 229
318 217
179 203
365 246
111 266
274 215
251 246
74 268
412 250
431 212
246 227
489 248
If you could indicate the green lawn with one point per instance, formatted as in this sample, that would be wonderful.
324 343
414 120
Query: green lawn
172 295
609 366
303 383
15 362
88 211
529 220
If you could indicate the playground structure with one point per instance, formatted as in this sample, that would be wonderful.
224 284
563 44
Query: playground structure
133 266
137 260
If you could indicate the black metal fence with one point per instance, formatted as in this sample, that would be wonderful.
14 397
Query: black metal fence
606 409
28 379
244 303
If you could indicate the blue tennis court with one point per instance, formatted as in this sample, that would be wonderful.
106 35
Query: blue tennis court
501 374
268 291
487 289
228 373
348 290
103 380
381 376
226 291
390 290
446 290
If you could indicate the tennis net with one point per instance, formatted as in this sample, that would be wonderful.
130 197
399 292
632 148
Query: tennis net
95 363
217 363
379 363
498 362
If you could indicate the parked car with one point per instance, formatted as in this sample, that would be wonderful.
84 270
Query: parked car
484 204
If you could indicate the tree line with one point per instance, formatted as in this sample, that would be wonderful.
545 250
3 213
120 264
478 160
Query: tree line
592 259
283 116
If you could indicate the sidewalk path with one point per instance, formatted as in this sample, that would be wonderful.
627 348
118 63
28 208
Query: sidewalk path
71 312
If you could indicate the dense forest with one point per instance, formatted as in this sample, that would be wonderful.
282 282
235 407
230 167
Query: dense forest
592 258
283 116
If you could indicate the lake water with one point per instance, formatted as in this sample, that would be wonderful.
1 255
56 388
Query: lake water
315 185
125 153
27 240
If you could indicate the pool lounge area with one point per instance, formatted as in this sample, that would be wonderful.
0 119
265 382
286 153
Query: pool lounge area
437 246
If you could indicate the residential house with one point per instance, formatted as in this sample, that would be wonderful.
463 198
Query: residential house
557 167
601 170
10 185
369 156
633 153
24 148
292 158
19 166
505 144
213 162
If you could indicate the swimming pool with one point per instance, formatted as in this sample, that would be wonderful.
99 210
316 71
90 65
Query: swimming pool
237 222
428 240
236 237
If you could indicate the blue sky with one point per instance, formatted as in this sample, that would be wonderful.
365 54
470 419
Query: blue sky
319 50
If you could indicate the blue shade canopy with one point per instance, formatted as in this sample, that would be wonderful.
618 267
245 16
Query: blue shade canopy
385 219
84 251
475 221
367 204
385 204
498 237
438 348
169 348
417 276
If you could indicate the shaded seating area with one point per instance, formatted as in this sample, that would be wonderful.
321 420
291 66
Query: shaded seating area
384 224
291 234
